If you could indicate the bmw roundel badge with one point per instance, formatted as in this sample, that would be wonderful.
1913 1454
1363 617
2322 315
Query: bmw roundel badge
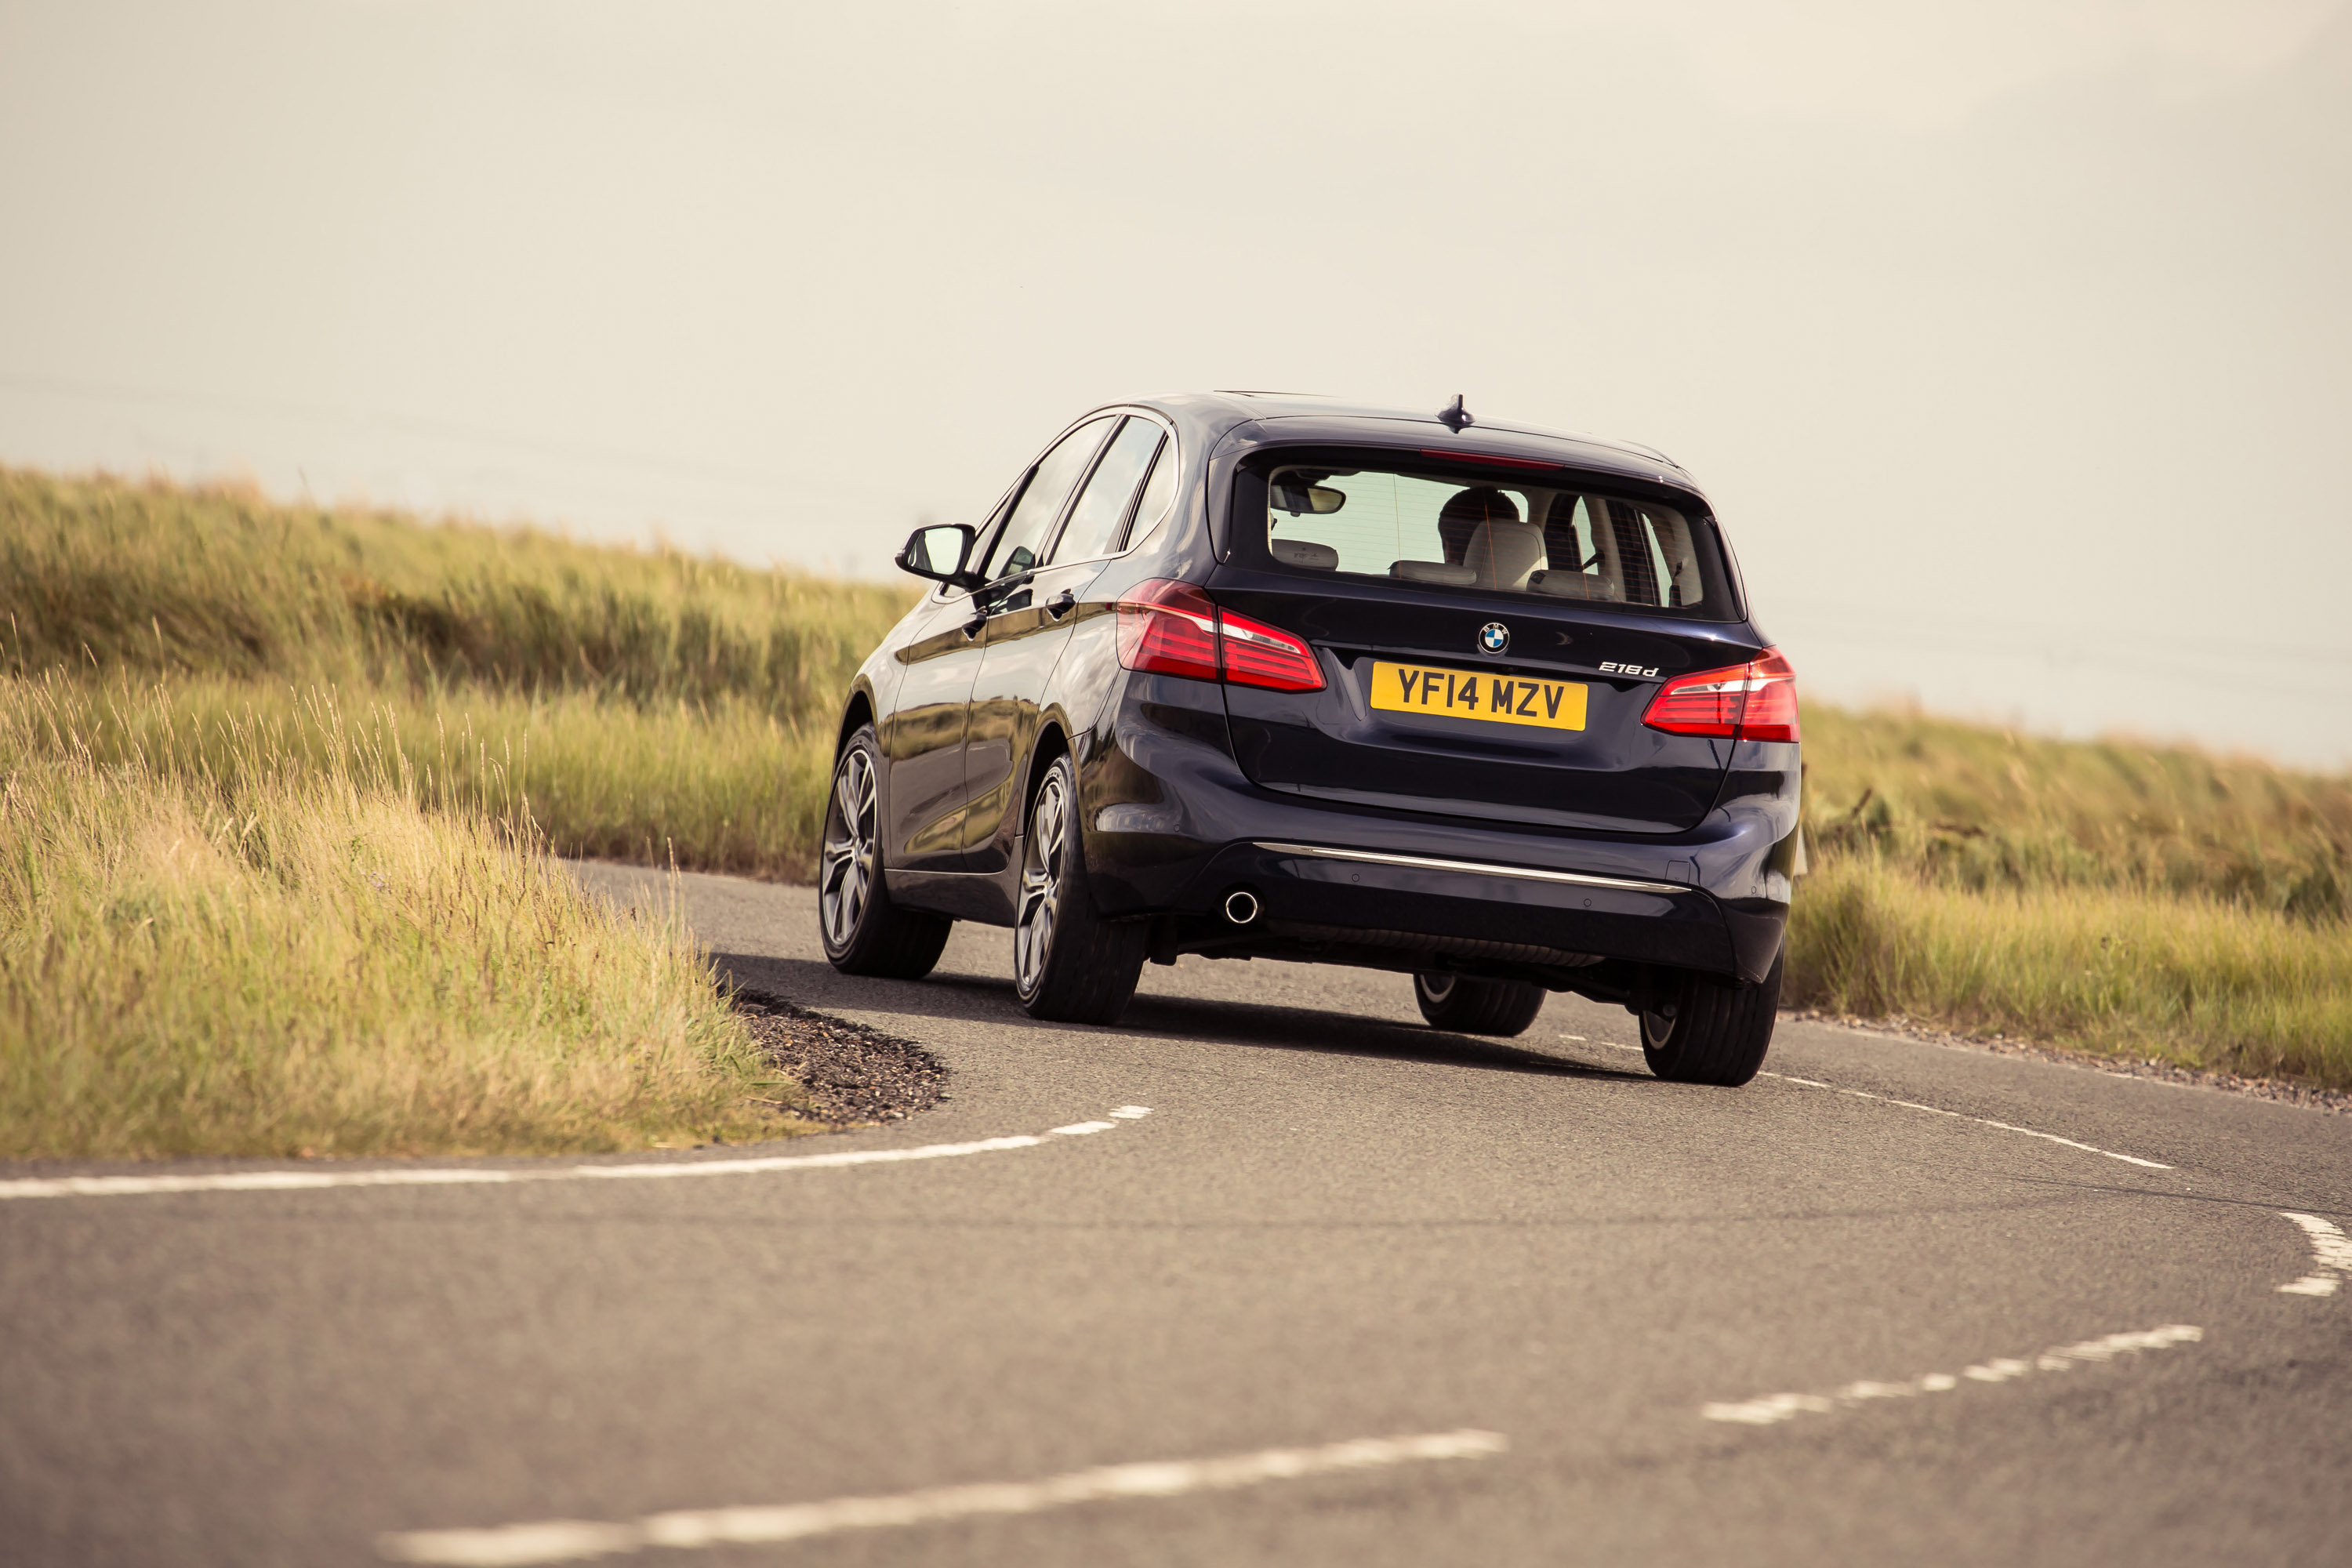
1494 638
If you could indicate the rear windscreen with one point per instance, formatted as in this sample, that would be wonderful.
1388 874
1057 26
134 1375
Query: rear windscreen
1553 537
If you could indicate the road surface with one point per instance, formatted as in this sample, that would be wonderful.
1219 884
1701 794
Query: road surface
1273 1273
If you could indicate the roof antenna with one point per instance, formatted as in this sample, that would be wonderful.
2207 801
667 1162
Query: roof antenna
1456 417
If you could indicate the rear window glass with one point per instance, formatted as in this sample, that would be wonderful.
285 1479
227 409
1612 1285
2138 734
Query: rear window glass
1552 538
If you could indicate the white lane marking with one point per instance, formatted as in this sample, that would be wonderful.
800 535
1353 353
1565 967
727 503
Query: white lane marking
1934 1111
1132 1113
565 1540
1080 1129
468 1175
1776 1407
2331 1249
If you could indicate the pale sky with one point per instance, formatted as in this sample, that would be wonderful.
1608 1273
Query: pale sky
2011 337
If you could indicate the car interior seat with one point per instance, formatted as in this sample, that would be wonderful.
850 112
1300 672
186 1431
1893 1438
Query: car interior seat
1463 510
1503 553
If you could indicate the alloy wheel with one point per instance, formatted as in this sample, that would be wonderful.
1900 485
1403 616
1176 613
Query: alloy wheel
845 875
1041 886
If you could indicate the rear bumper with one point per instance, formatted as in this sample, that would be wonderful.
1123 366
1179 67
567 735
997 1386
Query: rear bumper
1343 897
1172 827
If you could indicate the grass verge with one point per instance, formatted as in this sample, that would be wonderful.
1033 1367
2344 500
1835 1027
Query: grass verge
2196 983
283 936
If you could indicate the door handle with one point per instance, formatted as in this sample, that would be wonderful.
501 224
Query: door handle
1061 604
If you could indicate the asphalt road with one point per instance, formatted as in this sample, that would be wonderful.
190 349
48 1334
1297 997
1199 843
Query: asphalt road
1577 1293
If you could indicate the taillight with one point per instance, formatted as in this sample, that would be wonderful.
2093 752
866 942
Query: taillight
1257 655
1751 701
1167 628
1772 698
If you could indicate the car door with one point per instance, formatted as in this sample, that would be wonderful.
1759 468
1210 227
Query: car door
1028 630
923 738
1008 610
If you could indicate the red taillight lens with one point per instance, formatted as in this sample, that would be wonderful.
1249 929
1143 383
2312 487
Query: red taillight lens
1751 701
1259 655
1772 698
1168 627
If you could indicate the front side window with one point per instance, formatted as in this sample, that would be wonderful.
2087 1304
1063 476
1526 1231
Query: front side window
1024 538
1555 537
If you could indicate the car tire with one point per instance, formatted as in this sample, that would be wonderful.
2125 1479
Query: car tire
1717 1033
1069 964
864 932
1469 1006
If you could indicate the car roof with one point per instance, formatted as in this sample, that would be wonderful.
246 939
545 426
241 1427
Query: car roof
1288 417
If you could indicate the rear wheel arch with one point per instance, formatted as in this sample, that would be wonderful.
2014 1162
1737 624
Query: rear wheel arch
858 712
1052 742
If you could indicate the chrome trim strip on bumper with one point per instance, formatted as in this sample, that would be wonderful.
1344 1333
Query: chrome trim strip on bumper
1479 868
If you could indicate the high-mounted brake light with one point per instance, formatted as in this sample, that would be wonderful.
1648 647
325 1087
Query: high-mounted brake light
1751 701
1167 628
1486 458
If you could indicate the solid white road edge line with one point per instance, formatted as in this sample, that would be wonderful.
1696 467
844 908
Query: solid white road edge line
2331 1249
1772 1407
1933 1111
568 1541
466 1175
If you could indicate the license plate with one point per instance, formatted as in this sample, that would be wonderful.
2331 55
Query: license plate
1476 694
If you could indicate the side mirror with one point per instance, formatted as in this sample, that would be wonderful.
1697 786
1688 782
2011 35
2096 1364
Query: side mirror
938 553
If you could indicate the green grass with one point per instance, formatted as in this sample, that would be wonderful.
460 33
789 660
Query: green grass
650 706
296 937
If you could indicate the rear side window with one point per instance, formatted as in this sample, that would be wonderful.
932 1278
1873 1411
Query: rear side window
1050 483
1094 522
1158 491
1552 538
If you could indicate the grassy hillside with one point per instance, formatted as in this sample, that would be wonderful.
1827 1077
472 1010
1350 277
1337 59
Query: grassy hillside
1965 806
644 705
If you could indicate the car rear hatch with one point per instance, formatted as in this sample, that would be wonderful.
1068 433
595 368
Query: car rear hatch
1500 707
1448 752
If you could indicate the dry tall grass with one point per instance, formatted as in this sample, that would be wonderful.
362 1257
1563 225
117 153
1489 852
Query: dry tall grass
642 704
1969 806
2194 981
278 934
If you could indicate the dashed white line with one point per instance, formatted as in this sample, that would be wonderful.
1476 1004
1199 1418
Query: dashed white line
484 1175
2331 1249
567 1540
1932 1110
1776 1407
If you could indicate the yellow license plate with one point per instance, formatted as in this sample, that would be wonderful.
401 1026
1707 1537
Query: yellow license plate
1476 694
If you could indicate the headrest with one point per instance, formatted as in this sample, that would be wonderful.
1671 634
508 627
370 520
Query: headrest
1304 552
1501 555
1451 575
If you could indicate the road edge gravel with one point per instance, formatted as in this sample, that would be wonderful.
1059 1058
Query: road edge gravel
2281 1091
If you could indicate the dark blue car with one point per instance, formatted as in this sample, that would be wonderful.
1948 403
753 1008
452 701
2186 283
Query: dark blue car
1249 675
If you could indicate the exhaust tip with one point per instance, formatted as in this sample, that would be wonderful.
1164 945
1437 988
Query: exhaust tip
1240 906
